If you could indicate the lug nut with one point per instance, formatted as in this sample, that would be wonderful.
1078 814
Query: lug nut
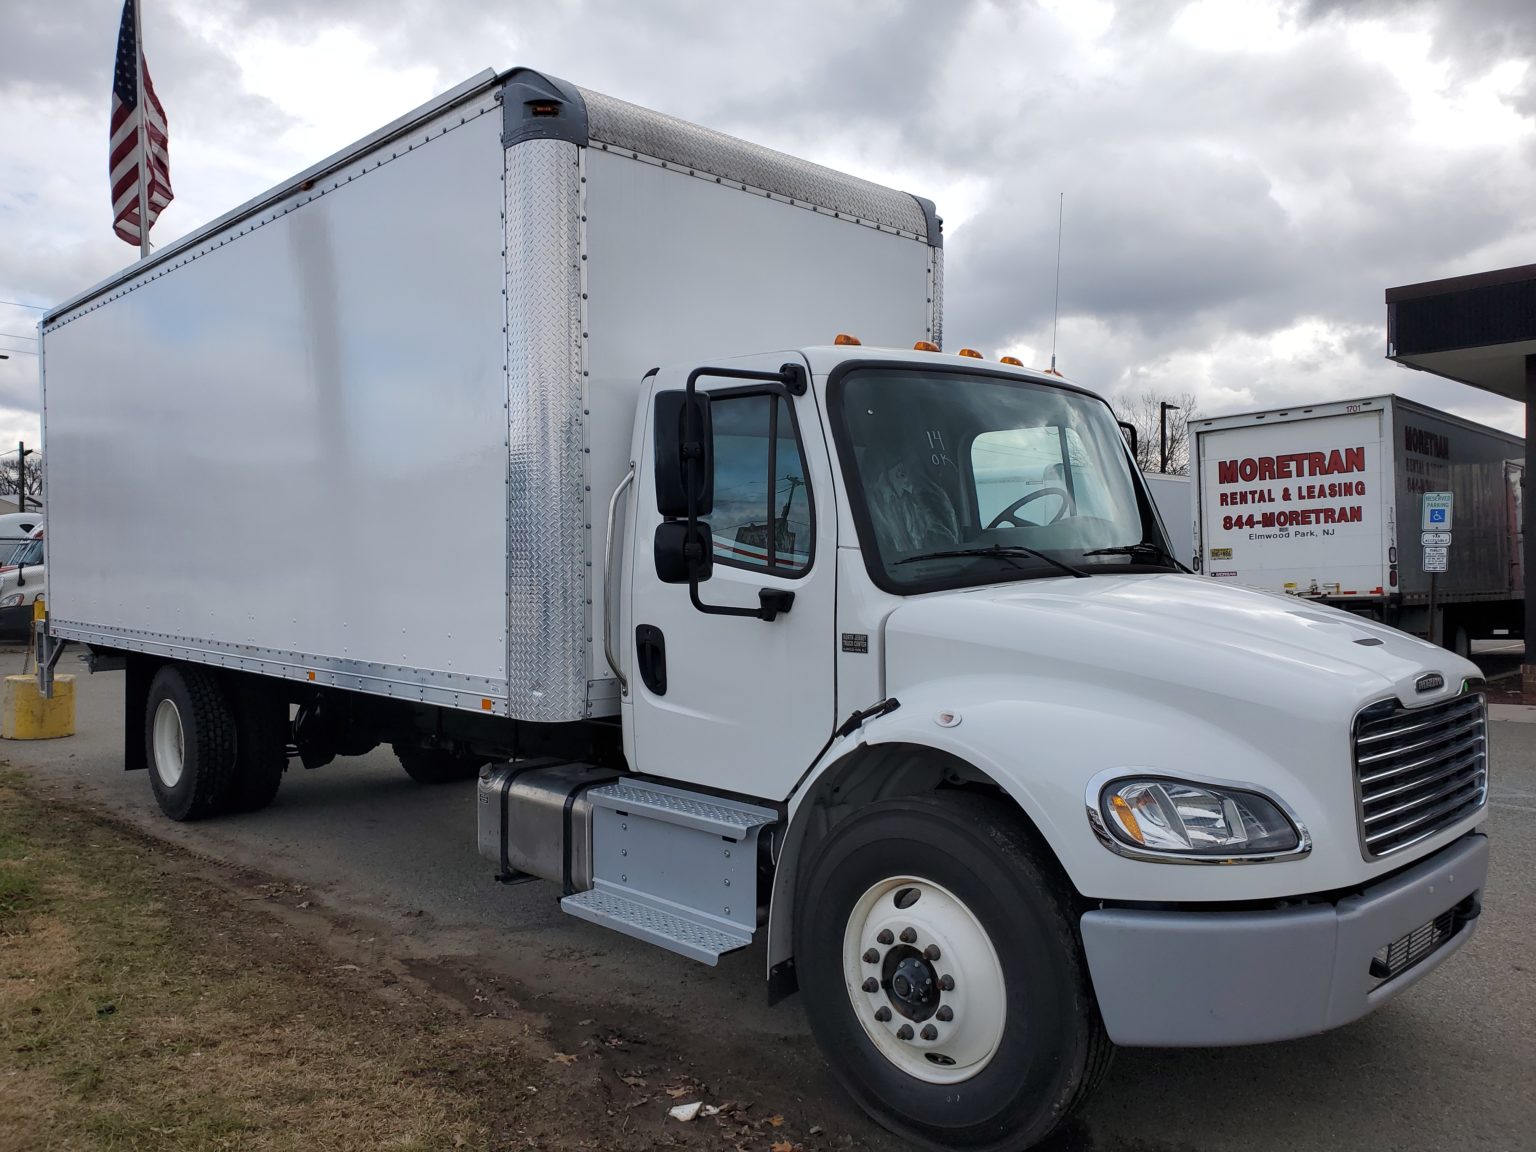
871 957
885 936
947 983
909 935
904 1032
931 952
871 985
930 1032
882 1013
946 1013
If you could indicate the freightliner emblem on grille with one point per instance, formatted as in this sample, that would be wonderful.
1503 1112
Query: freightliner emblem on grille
1429 683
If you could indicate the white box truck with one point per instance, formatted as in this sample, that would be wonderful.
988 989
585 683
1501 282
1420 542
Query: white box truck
743 629
1325 502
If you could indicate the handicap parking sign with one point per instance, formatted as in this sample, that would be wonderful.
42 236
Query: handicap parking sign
1437 511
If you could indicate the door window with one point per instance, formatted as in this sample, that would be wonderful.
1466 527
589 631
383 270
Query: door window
762 518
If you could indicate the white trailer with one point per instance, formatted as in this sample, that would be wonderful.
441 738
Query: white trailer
1174 498
1324 502
874 654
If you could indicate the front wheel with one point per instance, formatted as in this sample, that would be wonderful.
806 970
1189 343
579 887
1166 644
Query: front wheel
943 975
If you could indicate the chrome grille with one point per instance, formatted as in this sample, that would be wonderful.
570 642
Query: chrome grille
1418 770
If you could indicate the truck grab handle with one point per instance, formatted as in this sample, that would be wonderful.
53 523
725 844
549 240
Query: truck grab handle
613 512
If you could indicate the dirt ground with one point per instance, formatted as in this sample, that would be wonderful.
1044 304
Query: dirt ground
151 999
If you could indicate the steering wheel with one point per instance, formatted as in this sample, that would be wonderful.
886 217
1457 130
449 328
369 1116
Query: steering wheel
1010 513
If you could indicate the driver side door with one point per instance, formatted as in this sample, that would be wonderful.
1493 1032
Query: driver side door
735 702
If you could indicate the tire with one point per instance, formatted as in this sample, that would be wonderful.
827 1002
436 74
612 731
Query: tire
1021 1066
189 742
436 765
261 744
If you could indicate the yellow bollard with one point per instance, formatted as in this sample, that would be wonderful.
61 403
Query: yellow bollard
25 715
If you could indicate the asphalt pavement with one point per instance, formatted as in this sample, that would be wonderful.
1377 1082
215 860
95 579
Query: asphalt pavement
1449 1064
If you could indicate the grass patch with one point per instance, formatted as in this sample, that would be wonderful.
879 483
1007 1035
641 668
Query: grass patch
145 1009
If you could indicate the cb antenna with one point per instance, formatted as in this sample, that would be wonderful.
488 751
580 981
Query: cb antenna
1056 307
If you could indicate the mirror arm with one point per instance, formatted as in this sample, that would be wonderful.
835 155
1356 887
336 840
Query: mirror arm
771 601
1130 430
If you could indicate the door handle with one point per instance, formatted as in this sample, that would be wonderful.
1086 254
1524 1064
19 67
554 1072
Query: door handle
651 658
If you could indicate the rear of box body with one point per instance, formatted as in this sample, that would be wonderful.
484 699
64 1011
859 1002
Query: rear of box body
1325 500
363 431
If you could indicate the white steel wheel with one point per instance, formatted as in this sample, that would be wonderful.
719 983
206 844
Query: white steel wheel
924 980
169 743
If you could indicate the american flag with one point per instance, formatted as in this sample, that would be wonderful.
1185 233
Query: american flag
129 116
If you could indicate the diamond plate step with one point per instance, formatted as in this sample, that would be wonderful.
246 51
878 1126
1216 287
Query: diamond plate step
718 817
662 927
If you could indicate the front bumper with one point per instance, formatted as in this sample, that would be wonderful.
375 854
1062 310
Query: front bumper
16 623
1191 979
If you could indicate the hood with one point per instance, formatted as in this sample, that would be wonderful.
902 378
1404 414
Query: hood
1166 635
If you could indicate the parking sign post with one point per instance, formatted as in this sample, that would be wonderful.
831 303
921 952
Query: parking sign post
1436 526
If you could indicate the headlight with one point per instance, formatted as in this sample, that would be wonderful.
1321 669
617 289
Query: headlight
13 600
1174 817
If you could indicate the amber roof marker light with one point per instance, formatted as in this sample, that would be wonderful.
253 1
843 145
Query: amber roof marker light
844 338
1014 360
925 346
971 352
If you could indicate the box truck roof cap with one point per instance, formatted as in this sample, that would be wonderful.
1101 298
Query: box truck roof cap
538 106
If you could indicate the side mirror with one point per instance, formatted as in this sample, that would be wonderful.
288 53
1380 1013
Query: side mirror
685 447
684 553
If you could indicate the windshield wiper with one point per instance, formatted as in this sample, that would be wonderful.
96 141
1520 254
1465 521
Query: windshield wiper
1005 551
1141 549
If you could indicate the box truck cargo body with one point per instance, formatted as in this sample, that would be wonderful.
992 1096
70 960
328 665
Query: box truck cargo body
1324 502
874 654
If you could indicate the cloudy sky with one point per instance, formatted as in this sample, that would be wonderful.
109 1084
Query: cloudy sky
1242 179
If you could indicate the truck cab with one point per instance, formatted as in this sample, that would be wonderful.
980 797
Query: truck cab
918 614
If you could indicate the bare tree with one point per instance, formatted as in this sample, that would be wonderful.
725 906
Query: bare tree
32 477
1144 412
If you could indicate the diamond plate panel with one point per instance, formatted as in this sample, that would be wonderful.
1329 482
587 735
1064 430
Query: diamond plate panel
546 439
661 803
936 295
628 126
679 934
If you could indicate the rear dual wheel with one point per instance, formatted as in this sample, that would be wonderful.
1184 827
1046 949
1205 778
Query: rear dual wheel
943 975
211 750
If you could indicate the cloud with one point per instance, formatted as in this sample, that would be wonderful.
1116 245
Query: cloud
1241 181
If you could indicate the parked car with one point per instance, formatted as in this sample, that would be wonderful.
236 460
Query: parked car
21 582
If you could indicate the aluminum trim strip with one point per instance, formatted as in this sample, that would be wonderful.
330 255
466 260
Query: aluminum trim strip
428 686
646 133
547 560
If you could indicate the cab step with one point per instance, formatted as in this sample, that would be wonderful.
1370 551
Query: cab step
674 868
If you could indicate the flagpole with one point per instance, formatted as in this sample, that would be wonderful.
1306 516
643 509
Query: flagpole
143 131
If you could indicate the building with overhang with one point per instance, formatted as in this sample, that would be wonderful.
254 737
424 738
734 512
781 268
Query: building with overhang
1479 330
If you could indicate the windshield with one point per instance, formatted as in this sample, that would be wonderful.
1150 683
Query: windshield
969 479
28 554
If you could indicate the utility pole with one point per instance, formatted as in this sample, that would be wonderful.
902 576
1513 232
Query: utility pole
1162 427
22 452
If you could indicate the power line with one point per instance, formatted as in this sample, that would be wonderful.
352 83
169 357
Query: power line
19 336
19 304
